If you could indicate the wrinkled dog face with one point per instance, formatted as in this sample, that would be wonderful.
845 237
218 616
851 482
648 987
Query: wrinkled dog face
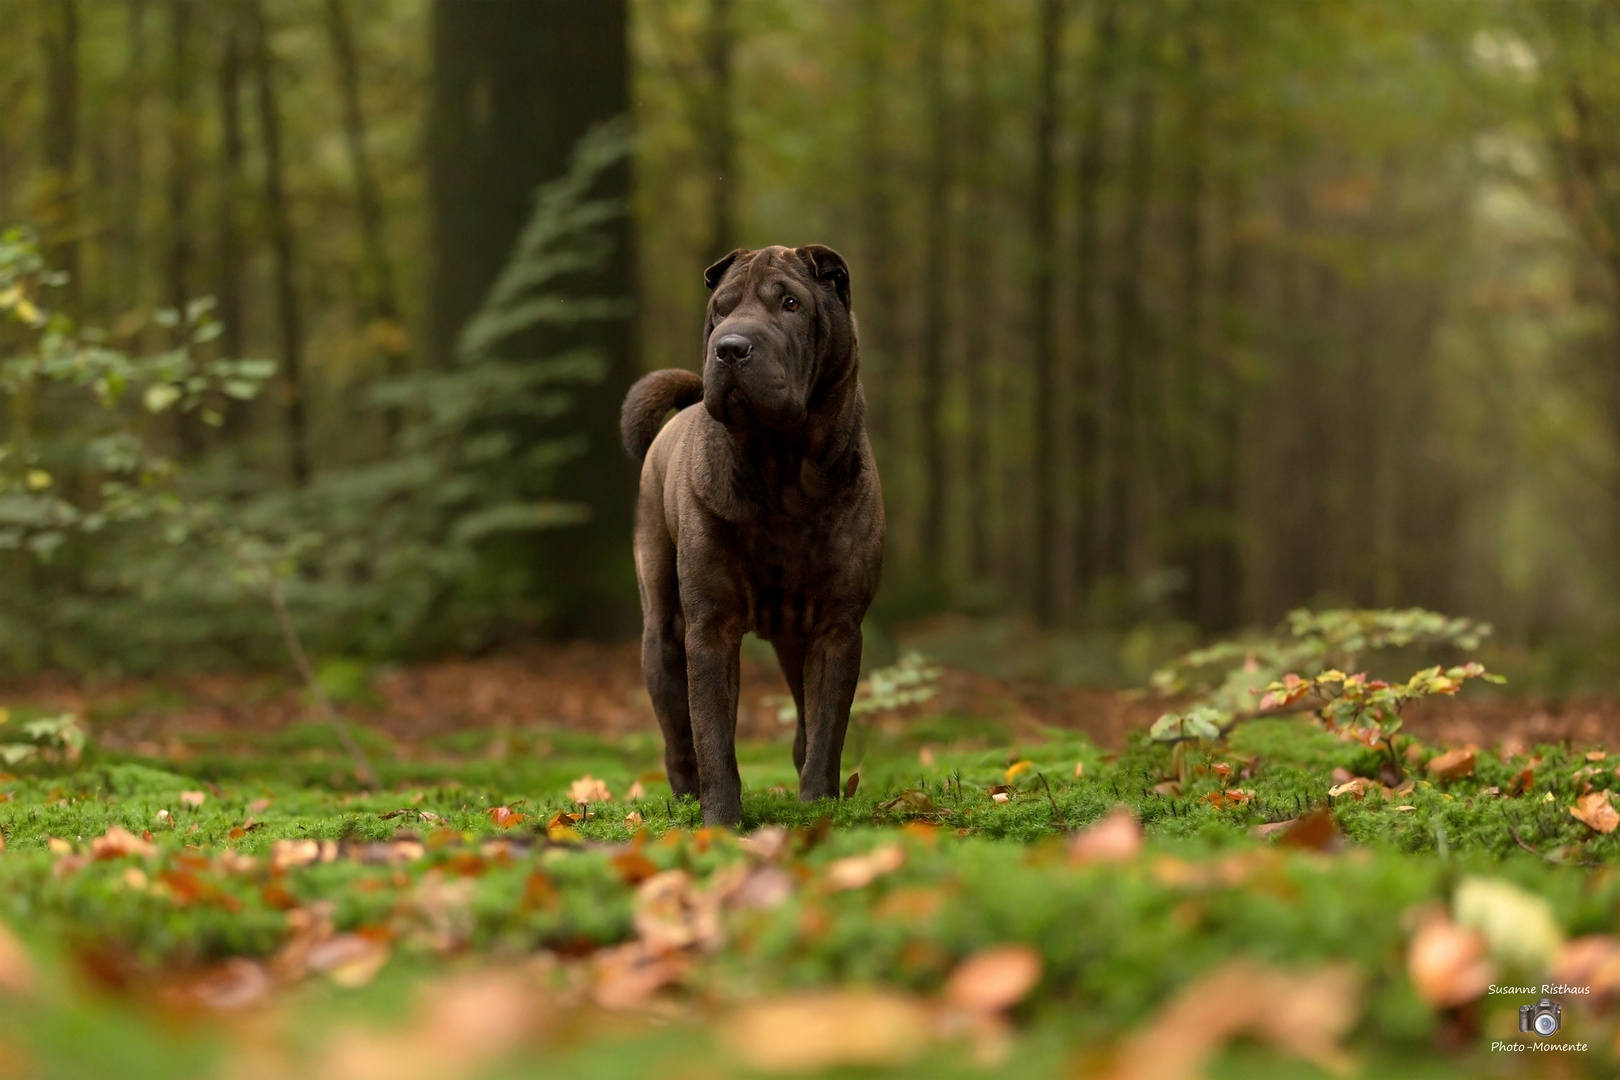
775 316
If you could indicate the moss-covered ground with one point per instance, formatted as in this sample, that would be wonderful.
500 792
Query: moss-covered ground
246 910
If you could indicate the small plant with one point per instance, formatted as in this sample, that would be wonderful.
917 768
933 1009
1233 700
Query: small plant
56 740
1230 675
910 681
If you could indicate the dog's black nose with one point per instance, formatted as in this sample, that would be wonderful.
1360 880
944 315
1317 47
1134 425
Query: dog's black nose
732 349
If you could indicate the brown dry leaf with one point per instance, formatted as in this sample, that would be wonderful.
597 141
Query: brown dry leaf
671 914
813 1032
1305 1015
993 979
117 842
1452 765
1115 838
1357 786
1593 962
634 867
1316 831
1596 811
350 960
1595 755
1169 789
193 798
636 792
769 842
853 784
1079 769
925 757
859 871
1225 797
1447 963
633 818
16 965
58 846
627 976
588 789
234 983
289 853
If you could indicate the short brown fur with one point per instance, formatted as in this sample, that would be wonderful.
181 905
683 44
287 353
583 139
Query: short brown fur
759 511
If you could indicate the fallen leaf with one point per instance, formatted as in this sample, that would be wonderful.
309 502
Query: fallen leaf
1316 831
763 889
1115 838
505 817
993 979
1079 769
1595 755
627 976
636 792
285 854
117 842
671 914
258 806
588 789
1305 1015
859 871
634 867
58 846
767 843
1000 797
910 801
853 784
1596 811
234 983
1169 789
925 757
1452 765
16 965
193 798
1447 963
1357 786
1017 769
633 818
819 1031
350 960
1593 962
1225 797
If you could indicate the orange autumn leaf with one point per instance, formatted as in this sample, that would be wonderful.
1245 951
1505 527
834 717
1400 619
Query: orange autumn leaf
859 871
994 979
505 817
818 1031
1115 838
1452 765
1447 963
1596 811
588 789
117 842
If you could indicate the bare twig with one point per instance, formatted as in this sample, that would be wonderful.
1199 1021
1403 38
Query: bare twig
357 756
1517 839
1057 815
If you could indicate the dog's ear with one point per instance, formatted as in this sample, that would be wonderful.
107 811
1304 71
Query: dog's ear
827 265
712 276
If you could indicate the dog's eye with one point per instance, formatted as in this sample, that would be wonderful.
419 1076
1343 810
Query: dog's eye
790 303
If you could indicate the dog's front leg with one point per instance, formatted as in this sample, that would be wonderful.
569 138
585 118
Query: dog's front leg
712 645
832 667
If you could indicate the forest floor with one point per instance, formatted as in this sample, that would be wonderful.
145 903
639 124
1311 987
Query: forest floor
1020 881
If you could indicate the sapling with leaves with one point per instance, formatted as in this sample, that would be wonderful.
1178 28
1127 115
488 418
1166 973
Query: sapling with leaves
1234 681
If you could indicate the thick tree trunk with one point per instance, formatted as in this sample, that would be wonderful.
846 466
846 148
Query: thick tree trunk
182 145
1088 271
379 302
720 136
290 333
1044 578
59 213
1187 436
936 282
515 85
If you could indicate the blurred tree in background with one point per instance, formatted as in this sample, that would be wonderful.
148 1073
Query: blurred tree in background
1175 313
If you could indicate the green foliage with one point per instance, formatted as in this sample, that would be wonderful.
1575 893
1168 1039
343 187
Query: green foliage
1225 678
53 740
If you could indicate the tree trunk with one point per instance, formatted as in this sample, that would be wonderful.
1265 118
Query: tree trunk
1129 474
1186 482
1043 342
290 333
379 302
720 134
130 236
231 188
514 87
1089 362
936 278
977 504
59 212
881 312
182 141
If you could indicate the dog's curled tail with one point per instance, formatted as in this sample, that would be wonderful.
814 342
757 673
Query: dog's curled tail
649 400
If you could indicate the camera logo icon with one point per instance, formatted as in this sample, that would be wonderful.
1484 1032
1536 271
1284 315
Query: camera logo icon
1543 1018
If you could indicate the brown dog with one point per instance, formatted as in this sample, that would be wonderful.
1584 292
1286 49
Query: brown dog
759 511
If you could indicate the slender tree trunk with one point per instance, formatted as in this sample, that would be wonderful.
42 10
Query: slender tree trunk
1043 340
279 217
1129 474
878 337
1186 436
132 164
231 188
1088 271
721 135
1216 588
182 140
59 215
379 301
978 476
936 280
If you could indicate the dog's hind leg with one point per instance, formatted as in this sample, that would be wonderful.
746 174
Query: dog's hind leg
790 654
832 667
663 661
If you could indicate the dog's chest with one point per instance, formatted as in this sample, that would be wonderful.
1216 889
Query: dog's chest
786 566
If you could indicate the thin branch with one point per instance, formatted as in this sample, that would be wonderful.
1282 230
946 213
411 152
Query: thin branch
362 766
1057 815
1517 839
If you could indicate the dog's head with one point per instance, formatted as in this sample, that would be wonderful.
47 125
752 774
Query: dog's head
779 332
